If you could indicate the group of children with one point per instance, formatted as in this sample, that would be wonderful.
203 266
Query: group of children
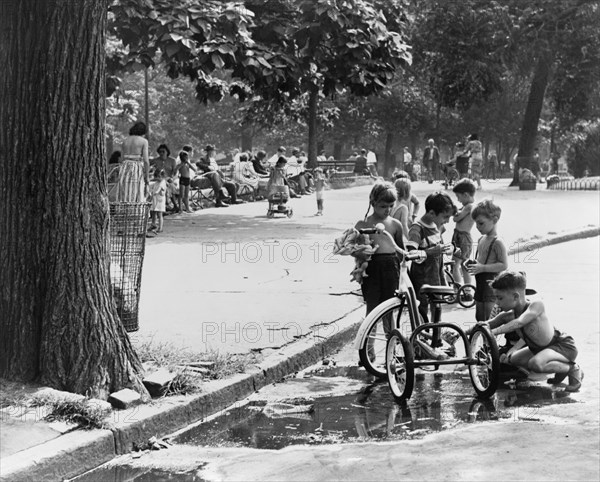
542 348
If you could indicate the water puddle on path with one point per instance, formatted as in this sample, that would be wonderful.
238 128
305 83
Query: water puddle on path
344 404
365 412
124 473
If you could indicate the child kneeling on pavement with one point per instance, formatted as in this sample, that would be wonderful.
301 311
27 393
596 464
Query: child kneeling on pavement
547 350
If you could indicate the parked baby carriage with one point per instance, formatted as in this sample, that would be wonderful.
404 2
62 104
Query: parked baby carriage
278 198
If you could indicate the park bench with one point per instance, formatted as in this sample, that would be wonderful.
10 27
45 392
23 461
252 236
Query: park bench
341 167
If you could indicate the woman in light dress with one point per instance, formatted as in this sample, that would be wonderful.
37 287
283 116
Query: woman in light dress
476 151
135 168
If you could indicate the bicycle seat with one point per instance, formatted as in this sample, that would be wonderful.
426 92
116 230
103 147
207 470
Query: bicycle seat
437 290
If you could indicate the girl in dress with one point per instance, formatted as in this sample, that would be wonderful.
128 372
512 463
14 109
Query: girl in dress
135 168
158 191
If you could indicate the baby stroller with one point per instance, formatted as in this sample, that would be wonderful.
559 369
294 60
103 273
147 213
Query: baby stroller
278 198
450 174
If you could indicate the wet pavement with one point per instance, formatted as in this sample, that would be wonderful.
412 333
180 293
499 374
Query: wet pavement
337 404
326 405
354 417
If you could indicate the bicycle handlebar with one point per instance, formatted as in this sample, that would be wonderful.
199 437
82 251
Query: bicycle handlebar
416 255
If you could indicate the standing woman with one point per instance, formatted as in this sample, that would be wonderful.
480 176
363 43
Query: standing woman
135 169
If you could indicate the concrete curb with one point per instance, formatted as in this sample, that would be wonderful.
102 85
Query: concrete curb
77 452
534 243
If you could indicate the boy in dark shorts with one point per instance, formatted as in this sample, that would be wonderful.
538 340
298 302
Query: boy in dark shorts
465 194
426 234
490 259
547 350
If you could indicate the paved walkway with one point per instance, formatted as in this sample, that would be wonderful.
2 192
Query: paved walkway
231 280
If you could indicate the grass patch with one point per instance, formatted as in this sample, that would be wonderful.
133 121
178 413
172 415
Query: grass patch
84 412
228 365
215 366
185 382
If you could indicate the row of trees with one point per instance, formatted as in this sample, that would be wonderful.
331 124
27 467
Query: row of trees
473 69
436 67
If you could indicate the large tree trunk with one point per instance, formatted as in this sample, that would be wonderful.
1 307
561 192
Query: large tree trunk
313 100
246 137
338 148
389 161
533 110
58 319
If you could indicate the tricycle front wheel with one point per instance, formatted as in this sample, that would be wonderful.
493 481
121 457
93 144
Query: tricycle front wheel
484 369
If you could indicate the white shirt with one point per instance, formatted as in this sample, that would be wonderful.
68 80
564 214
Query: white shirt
273 159
371 158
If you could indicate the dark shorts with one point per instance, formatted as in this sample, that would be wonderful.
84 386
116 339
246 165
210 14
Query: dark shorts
383 275
483 290
561 343
184 181
464 242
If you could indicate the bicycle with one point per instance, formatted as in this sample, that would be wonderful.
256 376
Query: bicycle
393 339
463 294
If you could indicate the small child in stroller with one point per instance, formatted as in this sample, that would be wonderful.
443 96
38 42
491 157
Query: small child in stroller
278 191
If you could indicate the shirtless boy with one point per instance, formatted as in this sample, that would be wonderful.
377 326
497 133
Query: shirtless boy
547 350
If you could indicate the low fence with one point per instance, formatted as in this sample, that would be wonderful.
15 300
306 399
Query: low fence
583 184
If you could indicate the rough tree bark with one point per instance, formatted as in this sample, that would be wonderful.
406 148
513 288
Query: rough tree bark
533 111
313 100
389 162
58 319
246 137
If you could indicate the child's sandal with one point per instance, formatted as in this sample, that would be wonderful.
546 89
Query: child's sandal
575 379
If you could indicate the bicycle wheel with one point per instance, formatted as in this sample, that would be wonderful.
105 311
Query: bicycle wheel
386 317
400 367
465 296
485 368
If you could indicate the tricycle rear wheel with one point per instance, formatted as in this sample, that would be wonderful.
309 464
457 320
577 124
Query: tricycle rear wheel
400 366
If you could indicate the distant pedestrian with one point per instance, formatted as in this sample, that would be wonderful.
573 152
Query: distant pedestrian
491 257
431 159
476 161
158 191
360 163
185 169
319 179
372 163
492 165
536 164
461 157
